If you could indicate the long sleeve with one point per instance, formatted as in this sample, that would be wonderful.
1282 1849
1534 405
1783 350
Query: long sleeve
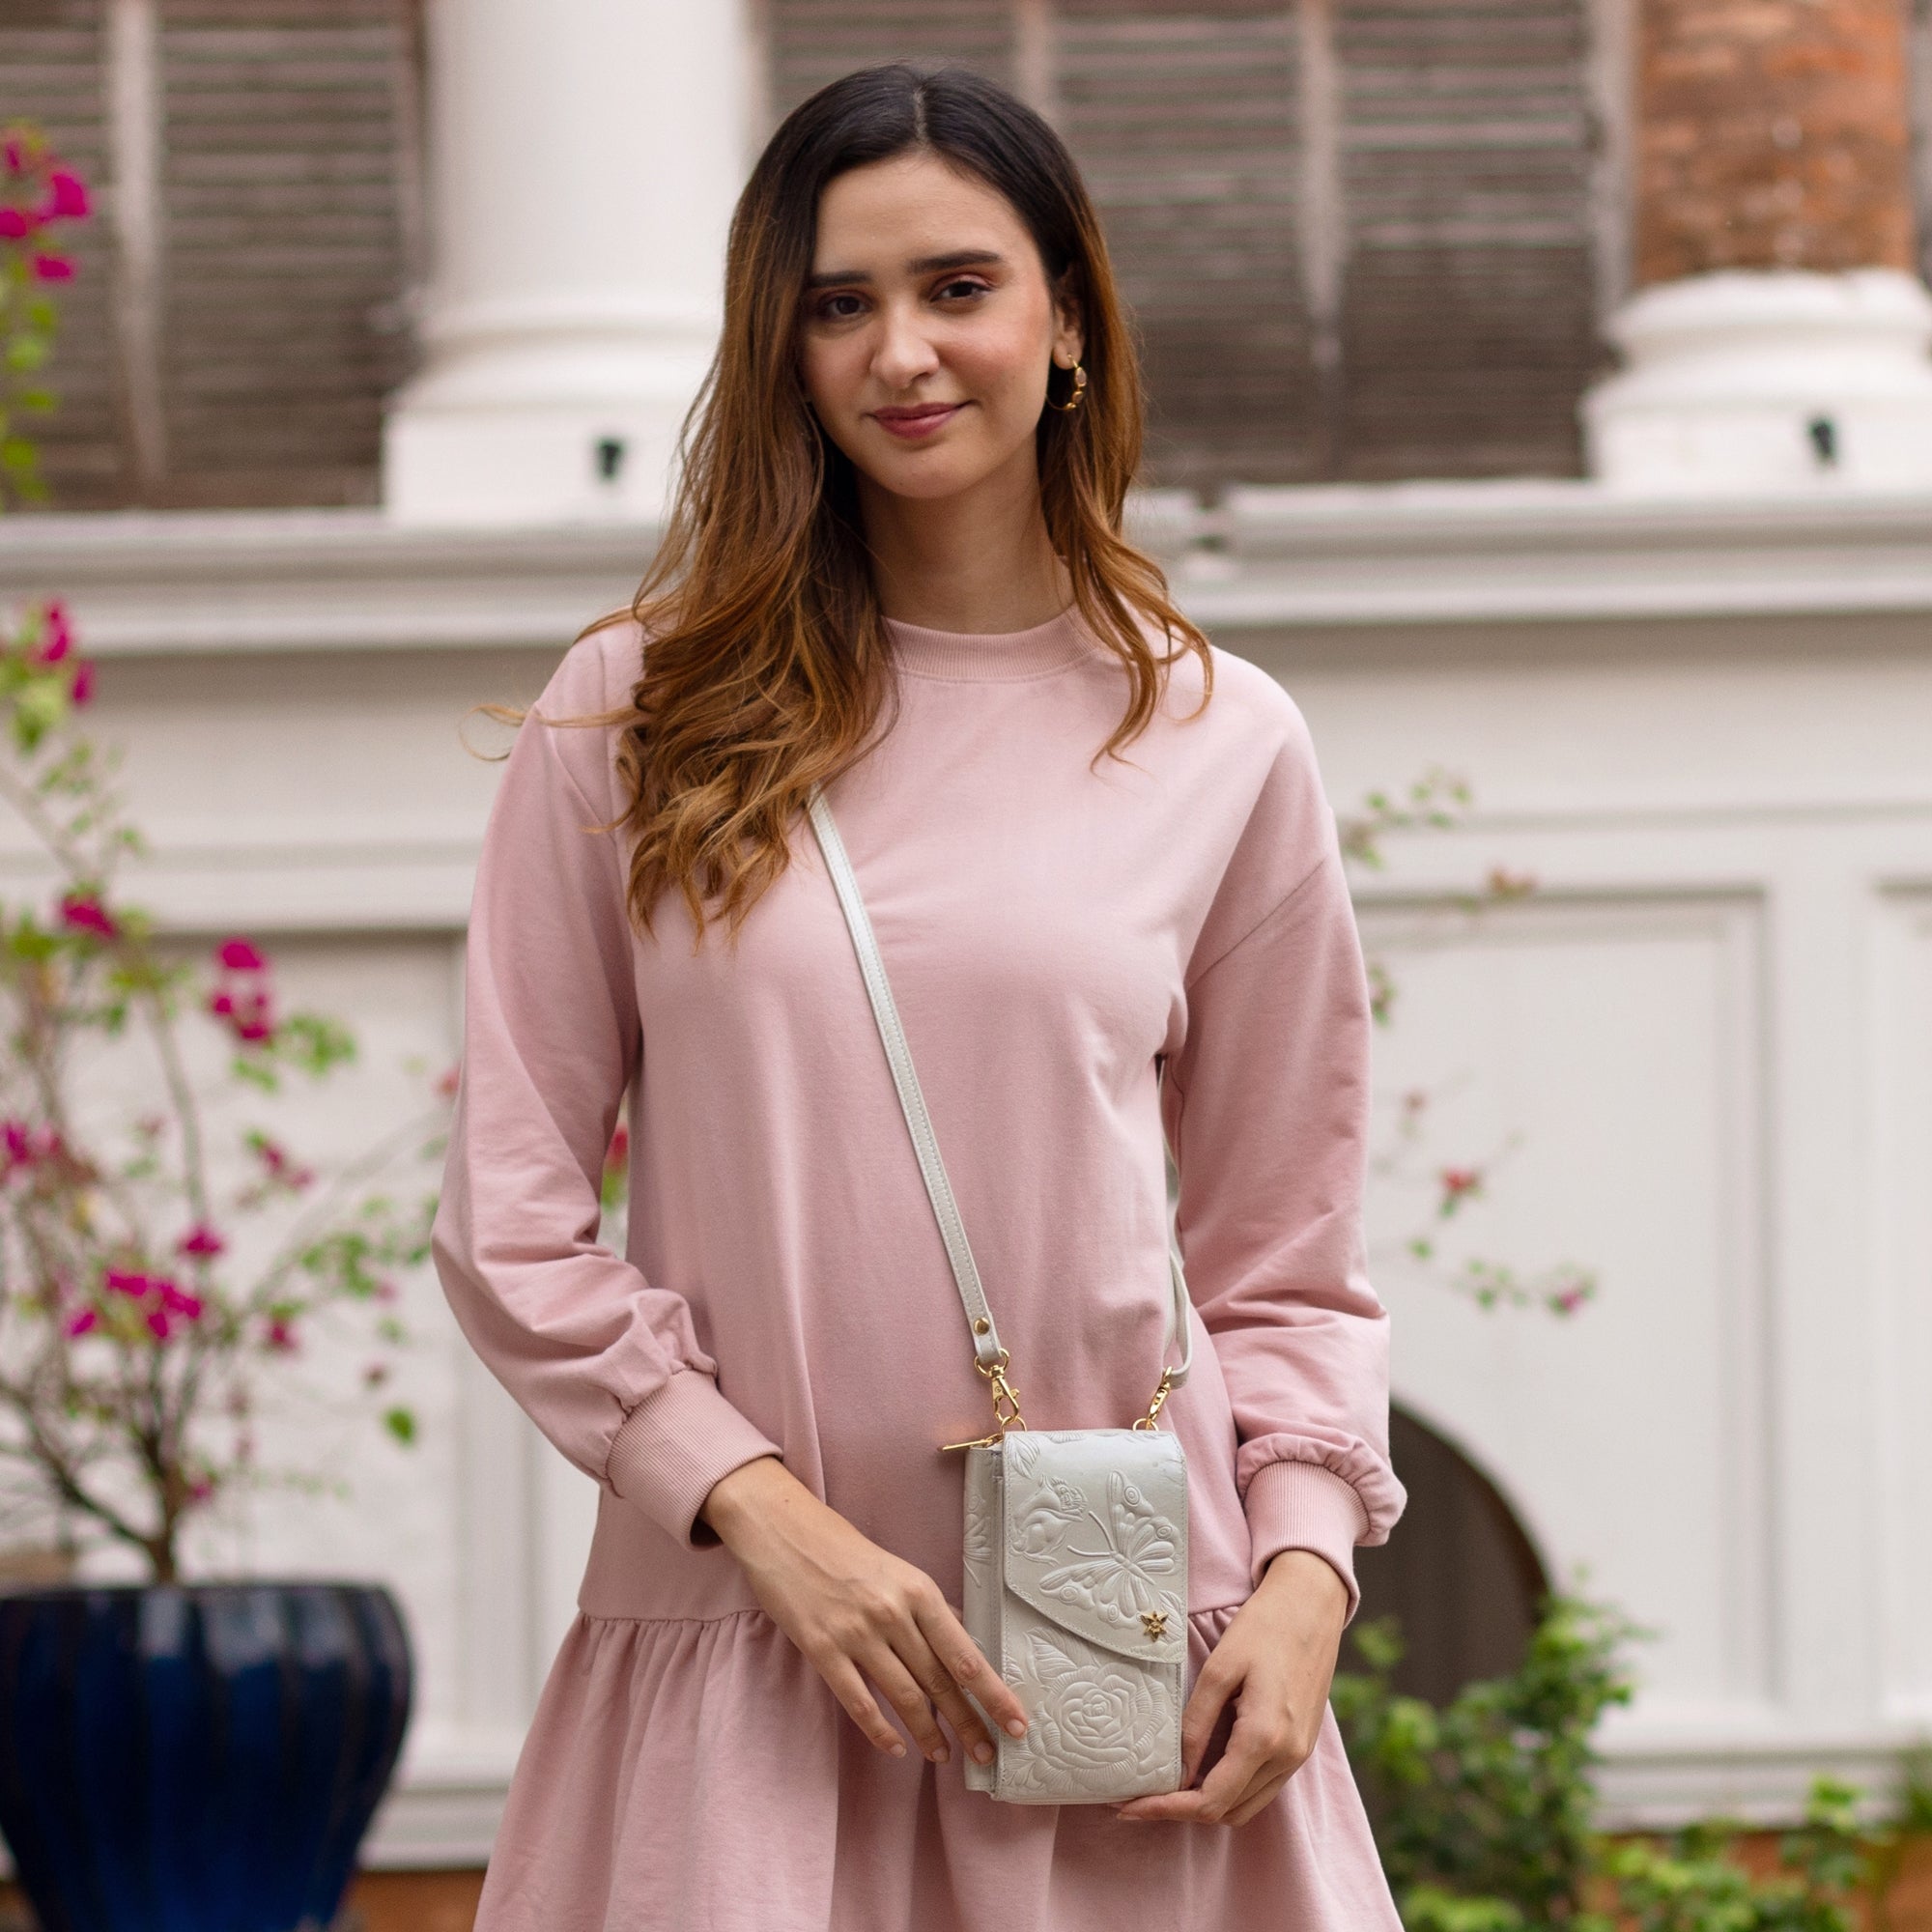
1267 1107
605 1363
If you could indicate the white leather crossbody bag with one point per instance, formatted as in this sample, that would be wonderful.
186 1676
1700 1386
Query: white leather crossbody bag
1075 1539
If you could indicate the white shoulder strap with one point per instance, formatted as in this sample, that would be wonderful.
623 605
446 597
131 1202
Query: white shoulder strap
911 1102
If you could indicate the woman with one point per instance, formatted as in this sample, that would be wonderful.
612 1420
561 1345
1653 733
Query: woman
1109 893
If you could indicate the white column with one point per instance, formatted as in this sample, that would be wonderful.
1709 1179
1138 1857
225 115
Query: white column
583 157
1767 380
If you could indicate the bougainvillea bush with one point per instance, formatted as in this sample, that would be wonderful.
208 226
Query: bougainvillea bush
38 198
1406 1161
166 1260
138 1351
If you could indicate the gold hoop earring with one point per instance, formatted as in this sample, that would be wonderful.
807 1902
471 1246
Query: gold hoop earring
1076 396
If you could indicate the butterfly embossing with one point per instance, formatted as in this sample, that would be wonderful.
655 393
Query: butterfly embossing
1118 1580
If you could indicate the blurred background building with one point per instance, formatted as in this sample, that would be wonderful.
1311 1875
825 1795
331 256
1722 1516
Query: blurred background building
1541 391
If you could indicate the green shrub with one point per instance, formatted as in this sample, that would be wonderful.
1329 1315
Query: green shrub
1484 1809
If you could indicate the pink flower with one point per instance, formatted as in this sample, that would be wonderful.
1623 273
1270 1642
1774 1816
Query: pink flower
276 1158
1460 1180
281 1334
68 199
242 997
125 1281
202 1240
178 1302
53 269
158 1321
15 224
446 1083
201 1489
20 1144
619 1152
246 1012
59 639
83 912
80 1323
16 153
83 683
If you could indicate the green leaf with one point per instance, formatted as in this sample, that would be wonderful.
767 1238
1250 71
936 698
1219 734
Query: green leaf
401 1423
256 1072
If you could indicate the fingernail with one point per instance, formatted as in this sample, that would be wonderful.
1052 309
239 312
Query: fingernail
941 1755
898 1750
984 1752
1016 1726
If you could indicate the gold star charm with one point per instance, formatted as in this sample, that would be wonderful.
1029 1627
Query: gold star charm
1154 1623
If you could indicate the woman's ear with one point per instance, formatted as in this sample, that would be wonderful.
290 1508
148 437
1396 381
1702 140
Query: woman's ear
1068 336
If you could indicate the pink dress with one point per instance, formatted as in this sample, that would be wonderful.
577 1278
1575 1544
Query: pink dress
1083 953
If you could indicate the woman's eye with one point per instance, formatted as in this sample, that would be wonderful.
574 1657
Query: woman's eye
838 308
966 286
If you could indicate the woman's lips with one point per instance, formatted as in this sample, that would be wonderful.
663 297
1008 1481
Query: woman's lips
921 420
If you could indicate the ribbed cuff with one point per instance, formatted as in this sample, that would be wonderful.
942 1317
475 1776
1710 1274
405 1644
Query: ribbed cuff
1304 1506
674 1446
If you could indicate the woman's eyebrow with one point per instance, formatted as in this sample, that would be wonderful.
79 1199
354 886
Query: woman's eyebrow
926 265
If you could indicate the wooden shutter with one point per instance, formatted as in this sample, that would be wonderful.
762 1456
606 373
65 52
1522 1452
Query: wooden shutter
812 41
287 130
1468 317
286 219
1185 124
50 73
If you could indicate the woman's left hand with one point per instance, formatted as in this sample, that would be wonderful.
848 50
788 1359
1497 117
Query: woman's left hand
1275 1660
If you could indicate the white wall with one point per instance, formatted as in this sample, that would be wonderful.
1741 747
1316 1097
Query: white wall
1712 1027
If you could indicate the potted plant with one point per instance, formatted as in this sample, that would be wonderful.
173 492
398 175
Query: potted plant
202 1752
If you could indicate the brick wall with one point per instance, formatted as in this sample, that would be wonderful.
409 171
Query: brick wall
1772 134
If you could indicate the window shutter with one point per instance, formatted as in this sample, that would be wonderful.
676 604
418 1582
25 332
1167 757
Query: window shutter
1438 153
50 73
284 219
1468 327
287 156
1186 124
813 42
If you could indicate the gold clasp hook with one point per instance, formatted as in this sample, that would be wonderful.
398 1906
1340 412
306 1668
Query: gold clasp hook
1005 1405
1160 1394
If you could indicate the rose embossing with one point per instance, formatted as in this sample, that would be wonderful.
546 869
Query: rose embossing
1093 1719
1054 1507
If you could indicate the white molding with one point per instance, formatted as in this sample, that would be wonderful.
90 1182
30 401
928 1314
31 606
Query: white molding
1653 1785
1446 555
1897 1066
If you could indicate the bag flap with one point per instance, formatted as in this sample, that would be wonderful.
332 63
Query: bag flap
1095 1535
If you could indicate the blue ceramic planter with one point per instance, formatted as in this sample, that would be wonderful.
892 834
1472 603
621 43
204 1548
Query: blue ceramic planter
196 1757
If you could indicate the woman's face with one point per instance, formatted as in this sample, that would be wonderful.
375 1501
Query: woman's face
927 328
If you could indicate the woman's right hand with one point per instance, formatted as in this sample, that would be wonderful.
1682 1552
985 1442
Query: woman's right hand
858 1613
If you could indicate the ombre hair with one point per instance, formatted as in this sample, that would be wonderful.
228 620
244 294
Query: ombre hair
767 670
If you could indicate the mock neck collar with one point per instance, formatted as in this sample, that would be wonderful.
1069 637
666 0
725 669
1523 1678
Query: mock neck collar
983 655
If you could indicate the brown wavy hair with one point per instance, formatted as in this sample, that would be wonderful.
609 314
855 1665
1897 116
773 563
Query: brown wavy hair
767 670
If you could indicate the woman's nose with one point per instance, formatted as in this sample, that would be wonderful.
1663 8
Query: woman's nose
905 351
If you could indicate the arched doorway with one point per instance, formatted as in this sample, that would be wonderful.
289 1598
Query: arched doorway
1459 1572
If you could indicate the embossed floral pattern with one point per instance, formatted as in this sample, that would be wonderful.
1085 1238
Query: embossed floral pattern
1044 1527
979 1552
1107 1727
